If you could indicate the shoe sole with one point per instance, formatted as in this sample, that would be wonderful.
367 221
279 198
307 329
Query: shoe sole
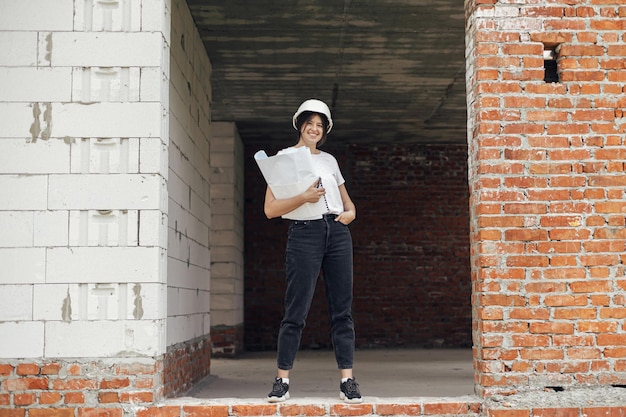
278 399
350 400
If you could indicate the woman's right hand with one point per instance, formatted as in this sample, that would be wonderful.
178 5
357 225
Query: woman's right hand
274 207
314 193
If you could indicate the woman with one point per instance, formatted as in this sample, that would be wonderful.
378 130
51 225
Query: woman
322 243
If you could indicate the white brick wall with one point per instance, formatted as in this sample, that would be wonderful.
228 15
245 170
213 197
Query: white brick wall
52 15
83 171
189 211
227 238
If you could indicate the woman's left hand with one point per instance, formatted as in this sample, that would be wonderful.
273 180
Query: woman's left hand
346 217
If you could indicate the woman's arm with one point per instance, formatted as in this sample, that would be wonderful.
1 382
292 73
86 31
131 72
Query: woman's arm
349 209
275 207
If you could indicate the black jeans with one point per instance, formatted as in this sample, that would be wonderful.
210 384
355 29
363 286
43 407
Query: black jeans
313 245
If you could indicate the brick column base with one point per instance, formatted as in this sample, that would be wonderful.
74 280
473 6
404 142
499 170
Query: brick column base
227 341
185 365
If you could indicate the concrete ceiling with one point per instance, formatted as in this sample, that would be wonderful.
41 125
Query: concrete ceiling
392 71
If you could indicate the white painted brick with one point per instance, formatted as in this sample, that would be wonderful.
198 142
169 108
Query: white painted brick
183 222
37 15
153 15
178 247
109 84
72 120
181 275
152 228
201 141
200 207
105 155
227 317
223 175
17 302
179 34
181 85
222 144
105 338
22 265
187 301
27 192
237 303
106 120
150 84
223 222
184 328
224 269
185 249
16 120
194 162
511 11
19 49
223 206
180 164
224 302
55 302
178 191
116 15
107 49
17 229
105 192
224 285
223 129
103 265
36 84
153 156
115 301
519 24
23 339
166 27
226 238
227 254
103 228
20 156
51 228
179 110
222 159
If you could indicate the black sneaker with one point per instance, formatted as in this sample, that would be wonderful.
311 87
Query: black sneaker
349 391
280 391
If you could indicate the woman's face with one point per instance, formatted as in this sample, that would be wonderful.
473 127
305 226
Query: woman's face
312 131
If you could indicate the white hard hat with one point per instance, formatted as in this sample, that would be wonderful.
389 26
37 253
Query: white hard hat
316 106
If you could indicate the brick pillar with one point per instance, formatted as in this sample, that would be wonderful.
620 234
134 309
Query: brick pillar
547 184
227 240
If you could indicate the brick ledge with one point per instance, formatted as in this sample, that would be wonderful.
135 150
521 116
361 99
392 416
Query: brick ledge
371 406
317 407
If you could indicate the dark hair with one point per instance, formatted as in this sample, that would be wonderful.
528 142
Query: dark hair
305 116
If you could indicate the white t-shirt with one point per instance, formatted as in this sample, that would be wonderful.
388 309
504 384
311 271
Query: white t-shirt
327 168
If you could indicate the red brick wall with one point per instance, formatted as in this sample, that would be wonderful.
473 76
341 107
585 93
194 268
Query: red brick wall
546 164
77 388
103 387
227 341
411 250
185 365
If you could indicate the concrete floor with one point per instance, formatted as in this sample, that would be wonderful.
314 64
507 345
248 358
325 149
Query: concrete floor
384 373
